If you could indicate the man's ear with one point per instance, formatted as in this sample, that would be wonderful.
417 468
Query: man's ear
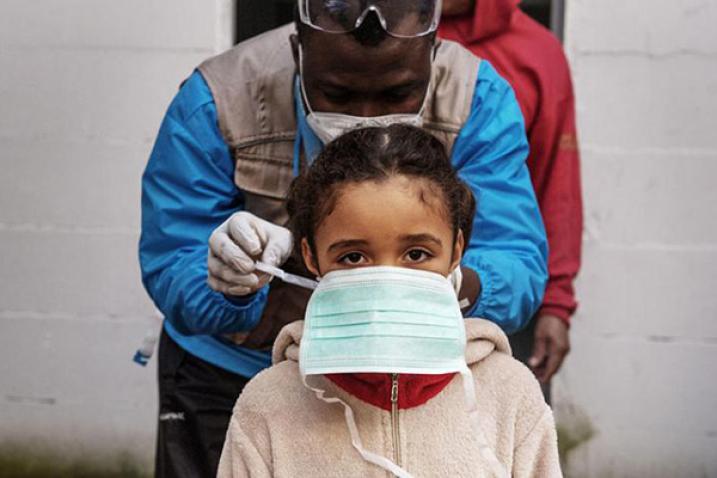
458 247
309 260
294 40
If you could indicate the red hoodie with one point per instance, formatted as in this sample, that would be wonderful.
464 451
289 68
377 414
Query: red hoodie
532 60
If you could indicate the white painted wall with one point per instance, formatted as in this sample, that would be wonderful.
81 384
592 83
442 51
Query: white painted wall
644 358
84 85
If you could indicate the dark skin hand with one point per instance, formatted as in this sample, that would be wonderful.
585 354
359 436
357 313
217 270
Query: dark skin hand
551 346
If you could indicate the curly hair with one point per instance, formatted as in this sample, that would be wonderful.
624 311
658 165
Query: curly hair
376 154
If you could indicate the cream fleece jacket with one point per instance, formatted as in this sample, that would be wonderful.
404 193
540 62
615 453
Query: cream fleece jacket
280 428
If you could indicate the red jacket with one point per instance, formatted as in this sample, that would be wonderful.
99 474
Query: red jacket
532 60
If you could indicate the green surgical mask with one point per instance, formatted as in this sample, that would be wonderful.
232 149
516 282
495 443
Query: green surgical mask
387 320
383 319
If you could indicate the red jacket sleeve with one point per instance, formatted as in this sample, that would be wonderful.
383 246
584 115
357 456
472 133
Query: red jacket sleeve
554 165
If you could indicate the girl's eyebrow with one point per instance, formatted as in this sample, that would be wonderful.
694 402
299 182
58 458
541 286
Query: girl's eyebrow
347 243
425 237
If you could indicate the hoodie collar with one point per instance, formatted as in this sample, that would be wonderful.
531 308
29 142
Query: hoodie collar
489 18
376 388
483 339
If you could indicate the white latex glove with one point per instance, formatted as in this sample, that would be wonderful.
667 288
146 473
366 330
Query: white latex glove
236 245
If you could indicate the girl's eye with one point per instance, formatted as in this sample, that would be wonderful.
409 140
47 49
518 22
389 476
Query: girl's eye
352 258
418 255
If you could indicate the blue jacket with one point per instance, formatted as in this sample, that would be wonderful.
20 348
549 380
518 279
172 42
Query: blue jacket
188 190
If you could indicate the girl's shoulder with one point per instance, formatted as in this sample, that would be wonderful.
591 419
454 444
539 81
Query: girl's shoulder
506 375
272 390
510 390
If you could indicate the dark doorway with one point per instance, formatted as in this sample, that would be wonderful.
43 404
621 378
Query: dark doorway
538 9
547 12
257 16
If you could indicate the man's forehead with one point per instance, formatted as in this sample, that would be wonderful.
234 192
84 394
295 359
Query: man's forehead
367 81
344 53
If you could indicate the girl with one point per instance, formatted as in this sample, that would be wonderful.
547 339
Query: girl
384 376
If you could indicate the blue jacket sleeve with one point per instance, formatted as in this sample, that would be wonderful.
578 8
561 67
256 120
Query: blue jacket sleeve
187 191
508 248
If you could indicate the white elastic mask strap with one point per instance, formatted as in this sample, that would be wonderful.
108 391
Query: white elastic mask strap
487 453
374 458
429 93
306 97
301 80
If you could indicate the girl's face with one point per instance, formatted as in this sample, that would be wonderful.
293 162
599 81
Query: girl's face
400 222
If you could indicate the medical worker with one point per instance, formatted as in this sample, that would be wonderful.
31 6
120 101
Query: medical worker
532 60
243 125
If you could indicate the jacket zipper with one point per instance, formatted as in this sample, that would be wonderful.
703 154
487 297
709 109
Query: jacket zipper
394 420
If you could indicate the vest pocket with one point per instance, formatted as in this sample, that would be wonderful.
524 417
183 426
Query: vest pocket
264 180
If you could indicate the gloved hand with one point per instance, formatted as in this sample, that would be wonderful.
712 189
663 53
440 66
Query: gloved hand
236 245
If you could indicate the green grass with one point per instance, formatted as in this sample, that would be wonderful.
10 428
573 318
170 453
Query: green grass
571 438
21 463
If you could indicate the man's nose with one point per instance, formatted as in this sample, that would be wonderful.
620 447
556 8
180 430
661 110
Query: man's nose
369 109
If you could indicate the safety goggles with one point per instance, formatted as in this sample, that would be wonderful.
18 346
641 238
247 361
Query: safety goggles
400 18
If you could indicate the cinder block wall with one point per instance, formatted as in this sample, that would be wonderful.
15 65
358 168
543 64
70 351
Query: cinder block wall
84 85
645 341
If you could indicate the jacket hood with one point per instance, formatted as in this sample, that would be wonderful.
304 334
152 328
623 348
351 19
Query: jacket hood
483 338
489 18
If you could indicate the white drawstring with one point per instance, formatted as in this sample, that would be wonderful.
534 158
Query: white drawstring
486 451
371 457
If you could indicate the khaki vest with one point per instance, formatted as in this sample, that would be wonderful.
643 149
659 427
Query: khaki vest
253 89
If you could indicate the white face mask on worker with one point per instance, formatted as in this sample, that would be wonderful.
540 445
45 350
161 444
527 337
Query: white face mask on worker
329 126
